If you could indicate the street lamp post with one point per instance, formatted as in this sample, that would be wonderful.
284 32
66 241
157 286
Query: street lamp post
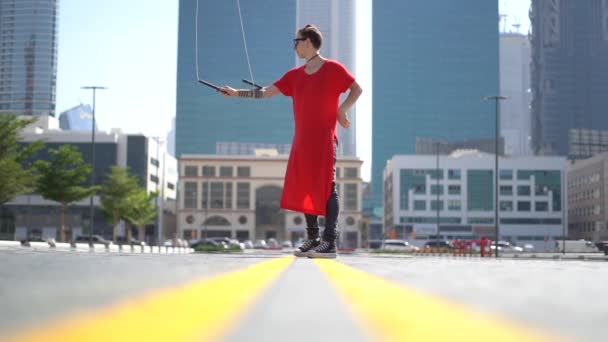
92 218
160 192
496 99
437 186
206 206
564 200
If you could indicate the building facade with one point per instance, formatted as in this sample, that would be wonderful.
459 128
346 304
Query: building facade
569 71
336 20
31 216
239 197
28 56
515 117
457 191
588 198
430 76
78 118
204 117
586 143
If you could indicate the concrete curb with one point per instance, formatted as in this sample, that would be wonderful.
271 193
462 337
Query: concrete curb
62 246
40 245
5 243
537 256
97 248
82 247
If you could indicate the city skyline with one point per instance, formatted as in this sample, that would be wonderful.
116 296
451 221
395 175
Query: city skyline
135 55
438 93
28 57
204 118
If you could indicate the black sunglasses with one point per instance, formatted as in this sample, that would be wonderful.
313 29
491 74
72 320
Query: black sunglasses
297 40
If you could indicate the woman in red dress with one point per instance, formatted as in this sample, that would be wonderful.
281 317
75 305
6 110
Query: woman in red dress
315 88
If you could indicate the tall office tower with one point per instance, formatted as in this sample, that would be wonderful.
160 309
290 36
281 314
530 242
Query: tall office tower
515 118
433 62
28 56
569 71
336 20
204 117
171 139
78 118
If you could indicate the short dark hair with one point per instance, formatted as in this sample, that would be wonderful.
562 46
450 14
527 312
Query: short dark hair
313 33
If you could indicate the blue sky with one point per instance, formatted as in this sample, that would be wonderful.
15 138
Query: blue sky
131 48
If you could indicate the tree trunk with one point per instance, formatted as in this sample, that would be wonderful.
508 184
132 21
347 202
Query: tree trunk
114 226
141 232
62 227
129 232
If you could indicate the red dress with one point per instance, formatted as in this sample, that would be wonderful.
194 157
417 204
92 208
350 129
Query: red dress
315 106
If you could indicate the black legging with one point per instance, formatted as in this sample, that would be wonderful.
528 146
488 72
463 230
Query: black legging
331 216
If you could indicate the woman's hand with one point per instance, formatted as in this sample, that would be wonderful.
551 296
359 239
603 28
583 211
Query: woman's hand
343 119
228 91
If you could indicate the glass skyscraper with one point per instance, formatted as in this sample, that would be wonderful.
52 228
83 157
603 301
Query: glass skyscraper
28 56
569 72
433 62
515 119
336 20
79 118
204 117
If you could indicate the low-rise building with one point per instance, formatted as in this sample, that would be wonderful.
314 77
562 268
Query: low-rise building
238 196
452 197
31 216
588 198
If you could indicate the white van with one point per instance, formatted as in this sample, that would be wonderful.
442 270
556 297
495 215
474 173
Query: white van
576 246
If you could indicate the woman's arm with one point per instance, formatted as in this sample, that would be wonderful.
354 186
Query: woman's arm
263 93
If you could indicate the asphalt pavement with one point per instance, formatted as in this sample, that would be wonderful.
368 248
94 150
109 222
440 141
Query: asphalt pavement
269 296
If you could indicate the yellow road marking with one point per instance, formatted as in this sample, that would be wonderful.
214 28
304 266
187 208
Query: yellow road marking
200 311
396 313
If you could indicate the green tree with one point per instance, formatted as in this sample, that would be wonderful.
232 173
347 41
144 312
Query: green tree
16 176
61 179
142 210
116 196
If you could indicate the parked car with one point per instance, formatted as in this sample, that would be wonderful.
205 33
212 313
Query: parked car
602 246
95 239
398 245
175 243
259 244
273 243
375 244
528 247
286 244
439 244
203 242
506 247
235 242
248 244
228 242
122 240
220 239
